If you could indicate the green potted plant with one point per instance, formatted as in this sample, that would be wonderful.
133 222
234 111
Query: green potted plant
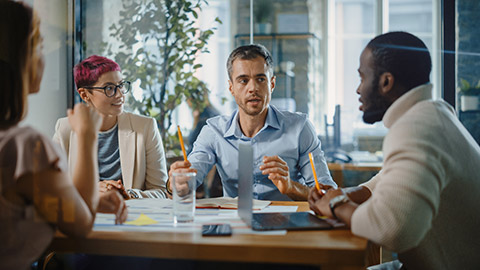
159 42
469 95
262 14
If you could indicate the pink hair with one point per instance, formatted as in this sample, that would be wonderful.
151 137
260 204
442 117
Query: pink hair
87 72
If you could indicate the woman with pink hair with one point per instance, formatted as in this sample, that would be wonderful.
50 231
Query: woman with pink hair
130 151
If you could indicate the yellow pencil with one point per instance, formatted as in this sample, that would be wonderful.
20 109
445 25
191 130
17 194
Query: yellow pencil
181 144
313 170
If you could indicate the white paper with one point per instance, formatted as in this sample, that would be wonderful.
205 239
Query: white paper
161 211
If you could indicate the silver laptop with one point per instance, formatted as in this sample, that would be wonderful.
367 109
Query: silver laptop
267 221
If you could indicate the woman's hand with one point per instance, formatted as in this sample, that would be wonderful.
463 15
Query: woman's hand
84 120
107 185
112 203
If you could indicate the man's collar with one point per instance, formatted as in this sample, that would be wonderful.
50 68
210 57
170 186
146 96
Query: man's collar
272 117
405 102
234 129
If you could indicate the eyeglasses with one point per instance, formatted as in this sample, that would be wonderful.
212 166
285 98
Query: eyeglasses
111 89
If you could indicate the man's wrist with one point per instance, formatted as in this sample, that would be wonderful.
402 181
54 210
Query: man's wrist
169 191
337 201
296 191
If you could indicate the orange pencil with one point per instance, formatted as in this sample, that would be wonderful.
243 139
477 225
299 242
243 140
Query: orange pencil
314 172
181 144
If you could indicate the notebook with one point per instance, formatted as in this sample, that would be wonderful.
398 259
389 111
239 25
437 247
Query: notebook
227 203
267 221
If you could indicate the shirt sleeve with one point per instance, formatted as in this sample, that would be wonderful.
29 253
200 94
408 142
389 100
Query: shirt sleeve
156 164
57 136
36 153
140 194
309 142
407 190
194 134
203 155
62 134
370 184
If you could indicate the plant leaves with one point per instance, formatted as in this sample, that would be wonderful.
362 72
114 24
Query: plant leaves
156 43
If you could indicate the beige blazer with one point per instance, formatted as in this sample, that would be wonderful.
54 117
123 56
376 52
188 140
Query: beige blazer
142 157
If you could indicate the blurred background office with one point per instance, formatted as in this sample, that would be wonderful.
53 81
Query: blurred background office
315 44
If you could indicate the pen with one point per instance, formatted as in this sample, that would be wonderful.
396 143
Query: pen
181 144
313 170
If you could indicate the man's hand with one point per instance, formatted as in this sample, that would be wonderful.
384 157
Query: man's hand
314 199
277 170
112 203
107 185
178 167
315 195
181 184
320 202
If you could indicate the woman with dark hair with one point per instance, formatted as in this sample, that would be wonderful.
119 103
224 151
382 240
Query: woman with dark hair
37 194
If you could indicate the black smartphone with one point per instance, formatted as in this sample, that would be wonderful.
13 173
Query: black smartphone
216 230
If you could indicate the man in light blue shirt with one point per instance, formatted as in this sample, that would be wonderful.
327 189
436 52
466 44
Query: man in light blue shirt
281 140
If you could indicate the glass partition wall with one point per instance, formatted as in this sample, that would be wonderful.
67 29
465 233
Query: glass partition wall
467 64
316 47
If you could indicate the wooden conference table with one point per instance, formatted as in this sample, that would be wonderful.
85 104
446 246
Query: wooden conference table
330 249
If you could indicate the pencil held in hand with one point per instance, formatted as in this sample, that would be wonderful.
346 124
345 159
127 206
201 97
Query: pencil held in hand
314 171
180 137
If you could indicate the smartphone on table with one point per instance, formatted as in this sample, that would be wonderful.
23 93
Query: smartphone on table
216 230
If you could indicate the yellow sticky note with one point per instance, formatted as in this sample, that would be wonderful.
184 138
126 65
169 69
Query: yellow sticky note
142 220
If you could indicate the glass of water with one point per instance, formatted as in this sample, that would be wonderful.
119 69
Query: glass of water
184 187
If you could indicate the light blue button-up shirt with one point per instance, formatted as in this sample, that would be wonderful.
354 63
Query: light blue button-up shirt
289 135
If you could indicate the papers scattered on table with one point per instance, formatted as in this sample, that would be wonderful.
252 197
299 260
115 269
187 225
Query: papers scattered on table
151 204
228 203
155 215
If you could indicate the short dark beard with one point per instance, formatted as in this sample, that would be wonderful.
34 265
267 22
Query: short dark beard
378 104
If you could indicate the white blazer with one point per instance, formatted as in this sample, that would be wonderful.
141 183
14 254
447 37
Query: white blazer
142 157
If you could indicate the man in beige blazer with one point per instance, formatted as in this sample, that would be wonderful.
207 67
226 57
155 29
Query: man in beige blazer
423 204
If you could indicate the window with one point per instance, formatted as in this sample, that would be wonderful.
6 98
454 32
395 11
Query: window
316 46
342 29
138 34
355 23
467 66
